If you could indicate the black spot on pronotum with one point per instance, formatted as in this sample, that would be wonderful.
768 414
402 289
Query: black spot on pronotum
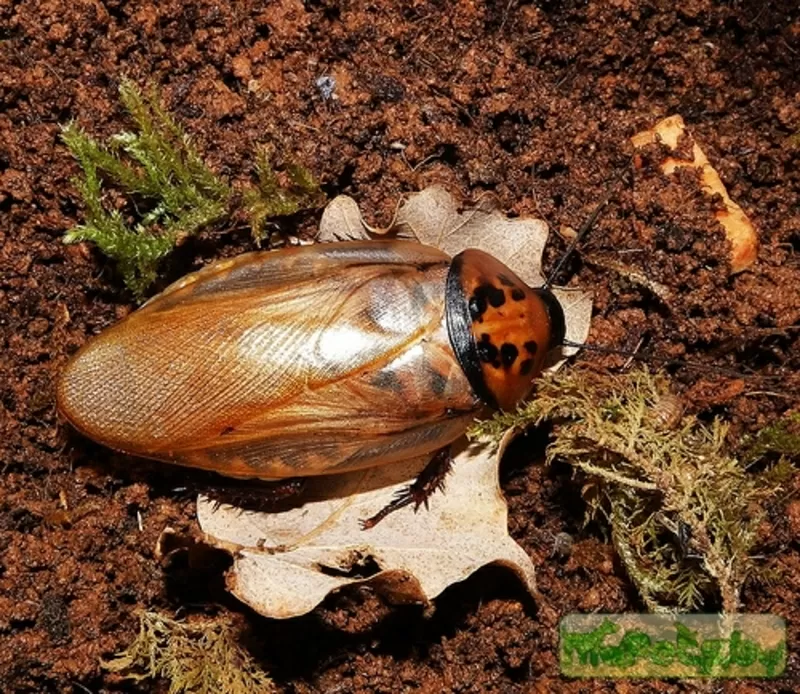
517 294
531 346
477 307
485 294
508 353
497 297
526 367
487 352
227 430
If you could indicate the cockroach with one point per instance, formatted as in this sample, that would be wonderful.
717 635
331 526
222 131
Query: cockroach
315 360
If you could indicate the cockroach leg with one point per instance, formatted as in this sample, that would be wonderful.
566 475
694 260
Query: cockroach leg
258 496
428 481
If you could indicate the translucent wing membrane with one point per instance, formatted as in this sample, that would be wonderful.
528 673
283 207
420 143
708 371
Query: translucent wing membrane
297 362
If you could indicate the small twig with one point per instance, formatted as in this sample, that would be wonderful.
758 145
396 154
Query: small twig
587 225
505 14
776 394
619 479
426 160
633 275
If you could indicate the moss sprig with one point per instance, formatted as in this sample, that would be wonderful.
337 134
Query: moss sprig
272 198
197 658
682 509
172 192
782 438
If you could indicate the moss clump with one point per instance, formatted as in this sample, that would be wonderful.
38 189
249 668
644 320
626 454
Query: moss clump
781 438
173 194
198 658
683 511
271 198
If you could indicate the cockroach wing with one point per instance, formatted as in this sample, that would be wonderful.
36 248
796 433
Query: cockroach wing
296 362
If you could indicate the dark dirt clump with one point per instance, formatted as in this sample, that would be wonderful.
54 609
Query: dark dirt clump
533 102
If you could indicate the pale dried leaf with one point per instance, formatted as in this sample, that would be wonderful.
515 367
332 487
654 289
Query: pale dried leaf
577 305
433 218
286 563
342 221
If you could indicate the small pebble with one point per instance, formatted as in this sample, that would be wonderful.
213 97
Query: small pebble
326 86
38 327
562 545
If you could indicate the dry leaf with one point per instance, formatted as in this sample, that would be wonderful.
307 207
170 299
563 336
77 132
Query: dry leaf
342 221
577 305
739 230
286 563
432 217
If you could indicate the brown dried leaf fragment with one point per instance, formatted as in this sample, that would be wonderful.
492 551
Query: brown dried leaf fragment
286 563
740 232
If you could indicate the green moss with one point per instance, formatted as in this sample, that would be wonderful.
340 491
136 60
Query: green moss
270 198
168 190
781 438
682 510
198 658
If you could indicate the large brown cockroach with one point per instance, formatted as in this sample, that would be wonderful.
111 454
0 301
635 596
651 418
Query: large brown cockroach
313 360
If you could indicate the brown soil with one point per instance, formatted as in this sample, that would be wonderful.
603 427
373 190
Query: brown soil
531 101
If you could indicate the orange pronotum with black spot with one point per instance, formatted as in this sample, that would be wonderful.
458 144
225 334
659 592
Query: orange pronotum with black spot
504 328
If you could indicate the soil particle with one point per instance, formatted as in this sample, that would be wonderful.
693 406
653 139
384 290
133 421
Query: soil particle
54 617
793 514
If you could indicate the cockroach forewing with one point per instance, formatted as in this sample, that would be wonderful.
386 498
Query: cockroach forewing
299 362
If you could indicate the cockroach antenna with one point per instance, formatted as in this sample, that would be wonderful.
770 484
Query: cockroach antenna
680 362
636 354
649 357
585 227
